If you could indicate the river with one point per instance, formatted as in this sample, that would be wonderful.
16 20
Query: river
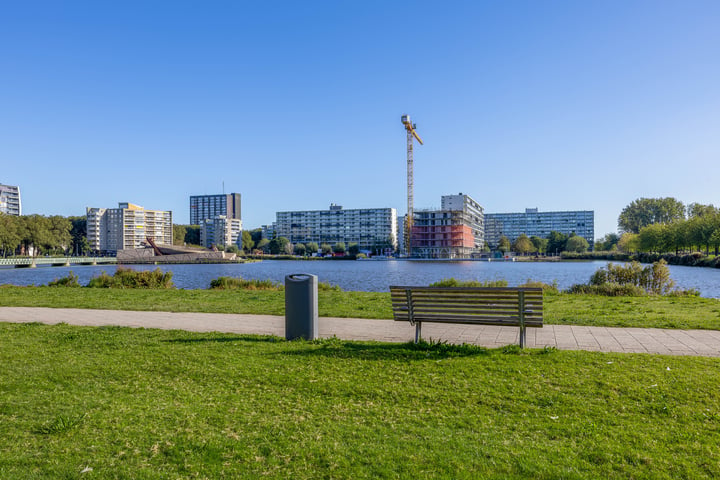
373 276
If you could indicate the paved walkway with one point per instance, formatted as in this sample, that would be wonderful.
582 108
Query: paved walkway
564 337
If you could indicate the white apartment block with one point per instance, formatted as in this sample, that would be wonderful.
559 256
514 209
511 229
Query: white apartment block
369 228
533 222
127 227
221 230
10 200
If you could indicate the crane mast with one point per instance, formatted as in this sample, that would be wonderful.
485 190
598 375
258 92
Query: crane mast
410 217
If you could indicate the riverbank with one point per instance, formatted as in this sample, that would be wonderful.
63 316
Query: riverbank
696 259
559 309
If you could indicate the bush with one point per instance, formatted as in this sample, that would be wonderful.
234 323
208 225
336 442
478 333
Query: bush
232 283
547 288
327 287
452 282
630 280
70 281
609 290
653 279
129 278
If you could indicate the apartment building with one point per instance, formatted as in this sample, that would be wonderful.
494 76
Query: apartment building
454 231
203 207
126 227
370 228
533 222
221 231
10 203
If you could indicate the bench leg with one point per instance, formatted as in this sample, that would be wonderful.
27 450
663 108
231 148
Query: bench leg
522 337
418 327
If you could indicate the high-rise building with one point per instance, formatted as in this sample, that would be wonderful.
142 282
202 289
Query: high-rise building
203 207
454 231
221 231
534 223
127 227
371 228
10 203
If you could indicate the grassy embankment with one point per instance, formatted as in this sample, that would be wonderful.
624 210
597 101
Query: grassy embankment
565 309
129 403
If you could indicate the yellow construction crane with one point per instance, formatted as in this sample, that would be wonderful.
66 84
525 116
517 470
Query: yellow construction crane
411 132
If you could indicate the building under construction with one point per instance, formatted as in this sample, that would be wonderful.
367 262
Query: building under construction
455 231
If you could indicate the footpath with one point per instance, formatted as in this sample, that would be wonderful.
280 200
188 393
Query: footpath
563 337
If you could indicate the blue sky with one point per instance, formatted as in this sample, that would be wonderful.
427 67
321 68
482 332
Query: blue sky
295 105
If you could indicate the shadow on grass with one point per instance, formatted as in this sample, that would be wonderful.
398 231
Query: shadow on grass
336 348
236 338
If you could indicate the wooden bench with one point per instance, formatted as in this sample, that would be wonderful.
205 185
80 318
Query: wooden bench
517 307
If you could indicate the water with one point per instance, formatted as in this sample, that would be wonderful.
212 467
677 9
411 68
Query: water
372 276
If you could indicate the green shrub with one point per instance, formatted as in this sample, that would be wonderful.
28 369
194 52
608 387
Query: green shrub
327 287
453 282
233 283
654 278
609 290
129 278
547 288
70 281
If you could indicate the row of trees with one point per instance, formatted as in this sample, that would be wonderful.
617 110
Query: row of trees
39 235
694 234
555 243
666 225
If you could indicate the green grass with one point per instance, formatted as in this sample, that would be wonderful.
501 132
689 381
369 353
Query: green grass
568 309
134 403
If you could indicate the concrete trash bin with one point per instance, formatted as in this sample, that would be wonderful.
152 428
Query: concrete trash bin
301 306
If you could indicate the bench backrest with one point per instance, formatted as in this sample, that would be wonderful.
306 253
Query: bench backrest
484 306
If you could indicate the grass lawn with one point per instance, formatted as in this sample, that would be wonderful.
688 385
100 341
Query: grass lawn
569 309
134 403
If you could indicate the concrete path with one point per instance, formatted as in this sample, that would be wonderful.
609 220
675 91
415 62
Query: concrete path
564 337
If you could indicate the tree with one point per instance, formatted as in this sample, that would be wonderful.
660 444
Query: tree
311 248
523 245
58 237
78 232
576 244
288 248
10 237
326 249
263 245
655 238
279 245
556 242
256 236
629 242
339 248
607 243
247 241
232 249
540 244
700 210
192 235
504 244
300 249
353 248
36 232
179 232
646 211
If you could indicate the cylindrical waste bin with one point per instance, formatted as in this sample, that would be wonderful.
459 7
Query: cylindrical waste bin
301 306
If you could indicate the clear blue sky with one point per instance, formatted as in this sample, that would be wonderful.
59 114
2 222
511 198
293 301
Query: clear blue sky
559 105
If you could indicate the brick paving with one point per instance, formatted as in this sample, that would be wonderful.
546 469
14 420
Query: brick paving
563 337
